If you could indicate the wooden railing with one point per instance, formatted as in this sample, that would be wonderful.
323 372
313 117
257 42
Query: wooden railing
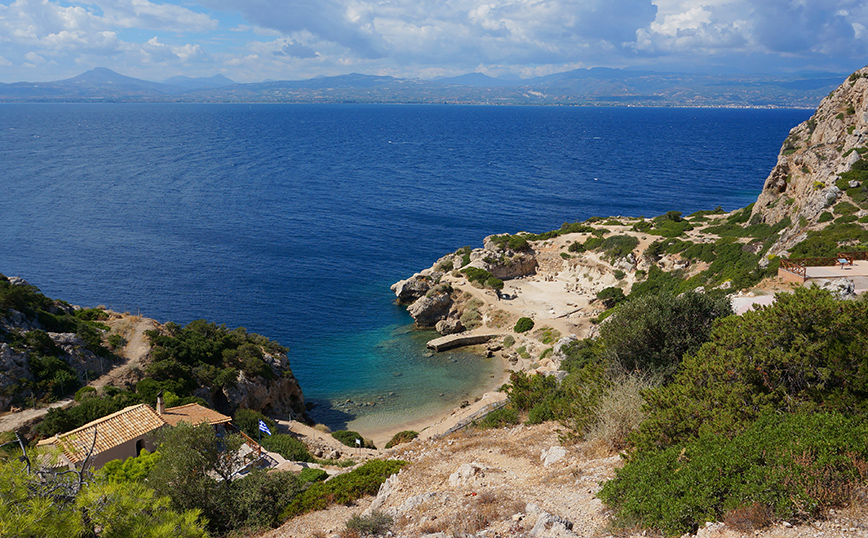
800 266
853 256
794 267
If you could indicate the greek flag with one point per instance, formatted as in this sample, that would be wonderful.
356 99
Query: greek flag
263 427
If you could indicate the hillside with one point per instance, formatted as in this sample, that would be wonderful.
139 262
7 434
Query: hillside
50 349
820 174
584 87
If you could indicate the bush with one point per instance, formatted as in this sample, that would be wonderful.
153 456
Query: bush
477 275
247 421
349 437
619 410
795 466
499 418
610 296
803 353
402 437
523 325
342 489
652 333
287 446
825 216
494 283
511 242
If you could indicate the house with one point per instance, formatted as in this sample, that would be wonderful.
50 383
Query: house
127 432
118 436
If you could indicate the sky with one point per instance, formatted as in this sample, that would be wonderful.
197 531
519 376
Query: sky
256 40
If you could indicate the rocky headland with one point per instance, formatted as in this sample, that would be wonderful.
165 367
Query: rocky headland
46 344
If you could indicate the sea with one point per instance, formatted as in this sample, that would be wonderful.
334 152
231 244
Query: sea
293 220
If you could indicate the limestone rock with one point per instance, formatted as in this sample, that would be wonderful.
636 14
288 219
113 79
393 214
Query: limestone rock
802 184
466 473
280 397
448 326
17 281
386 489
427 311
13 366
549 525
842 288
552 455
411 289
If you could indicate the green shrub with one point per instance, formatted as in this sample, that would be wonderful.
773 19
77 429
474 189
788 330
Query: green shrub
619 274
610 296
499 418
523 325
845 208
801 354
508 341
84 393
287 446
796 466
574 228
511 242
349 437
345 488
643 226
402 437
309 475
477 275
132 469
494 283
652 333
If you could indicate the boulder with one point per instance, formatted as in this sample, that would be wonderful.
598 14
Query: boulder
427 311
552 455
448 326
842 288
466 473
411 289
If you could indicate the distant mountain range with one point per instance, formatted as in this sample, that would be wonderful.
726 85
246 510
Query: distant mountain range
597 86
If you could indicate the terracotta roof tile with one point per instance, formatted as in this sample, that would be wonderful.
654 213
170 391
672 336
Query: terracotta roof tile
194 414
111 431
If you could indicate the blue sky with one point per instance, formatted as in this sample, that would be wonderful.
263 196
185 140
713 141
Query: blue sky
254 40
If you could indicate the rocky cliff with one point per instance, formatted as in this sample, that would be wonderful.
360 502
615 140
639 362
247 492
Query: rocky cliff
807 180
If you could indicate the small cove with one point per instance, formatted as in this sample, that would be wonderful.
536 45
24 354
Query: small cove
294 220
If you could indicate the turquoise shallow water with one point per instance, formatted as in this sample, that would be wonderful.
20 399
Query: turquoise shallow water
294 220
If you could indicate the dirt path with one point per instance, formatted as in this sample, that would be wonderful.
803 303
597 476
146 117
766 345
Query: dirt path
135 352
11 422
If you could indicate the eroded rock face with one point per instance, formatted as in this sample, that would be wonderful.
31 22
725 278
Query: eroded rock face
280 397
13 367
427 311
411 289
803 183
448 326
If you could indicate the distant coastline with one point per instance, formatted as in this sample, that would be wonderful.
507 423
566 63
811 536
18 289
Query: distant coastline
581 87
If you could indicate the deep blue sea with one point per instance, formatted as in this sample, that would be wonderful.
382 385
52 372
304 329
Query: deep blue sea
294 220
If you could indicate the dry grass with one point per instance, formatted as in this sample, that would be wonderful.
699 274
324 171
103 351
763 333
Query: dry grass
499 319
749 518
620 410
